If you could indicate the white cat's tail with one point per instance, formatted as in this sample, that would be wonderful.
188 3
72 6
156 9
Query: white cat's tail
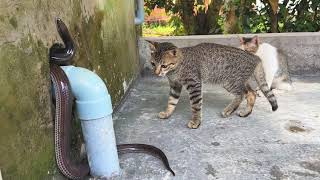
269 57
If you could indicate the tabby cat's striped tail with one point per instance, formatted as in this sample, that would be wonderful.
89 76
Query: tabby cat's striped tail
261 80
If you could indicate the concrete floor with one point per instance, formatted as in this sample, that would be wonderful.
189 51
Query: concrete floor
266 145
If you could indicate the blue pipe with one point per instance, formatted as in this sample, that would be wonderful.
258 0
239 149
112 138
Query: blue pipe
94 108
140 13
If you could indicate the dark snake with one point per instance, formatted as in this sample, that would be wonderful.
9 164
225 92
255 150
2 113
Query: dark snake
60 55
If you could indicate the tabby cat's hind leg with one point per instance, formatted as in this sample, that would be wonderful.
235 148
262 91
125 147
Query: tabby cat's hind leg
232 106
251 99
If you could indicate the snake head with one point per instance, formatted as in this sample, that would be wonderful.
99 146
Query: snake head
62 54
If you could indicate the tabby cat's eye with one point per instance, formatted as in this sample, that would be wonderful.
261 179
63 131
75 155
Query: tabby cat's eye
164 66
152 63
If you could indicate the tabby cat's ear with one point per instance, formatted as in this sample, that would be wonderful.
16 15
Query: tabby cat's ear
173 52
255 40
241 40
153 45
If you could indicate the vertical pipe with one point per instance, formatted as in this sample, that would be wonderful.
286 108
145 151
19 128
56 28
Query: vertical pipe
94 109
100 145
140 12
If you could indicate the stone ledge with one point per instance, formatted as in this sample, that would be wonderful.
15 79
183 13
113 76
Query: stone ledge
301 49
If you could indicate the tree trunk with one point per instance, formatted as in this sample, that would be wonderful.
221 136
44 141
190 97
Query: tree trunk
201 20
241 16
231 23
272 12
187 15
284 5
213 15
274 23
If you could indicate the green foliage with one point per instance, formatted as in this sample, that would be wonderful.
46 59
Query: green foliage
221 22
302 16
157 30
176 22
292 16
257 22
173 28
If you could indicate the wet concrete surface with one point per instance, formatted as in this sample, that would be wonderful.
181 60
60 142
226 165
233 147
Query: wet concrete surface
266 145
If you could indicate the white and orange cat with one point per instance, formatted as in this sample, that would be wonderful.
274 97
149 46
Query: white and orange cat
274 64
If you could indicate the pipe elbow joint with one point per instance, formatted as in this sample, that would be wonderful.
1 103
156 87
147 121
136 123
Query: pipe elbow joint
92 98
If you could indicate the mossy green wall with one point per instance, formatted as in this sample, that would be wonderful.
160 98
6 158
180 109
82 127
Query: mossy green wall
105 35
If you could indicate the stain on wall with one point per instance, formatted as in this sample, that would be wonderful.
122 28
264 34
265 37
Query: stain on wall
105 35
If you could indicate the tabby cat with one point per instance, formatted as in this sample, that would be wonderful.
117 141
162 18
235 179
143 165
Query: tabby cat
273 61
189 67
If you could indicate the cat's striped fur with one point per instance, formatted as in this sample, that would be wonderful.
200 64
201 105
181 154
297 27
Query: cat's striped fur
189 67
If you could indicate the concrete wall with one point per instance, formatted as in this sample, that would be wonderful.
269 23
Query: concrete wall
302 49
105 35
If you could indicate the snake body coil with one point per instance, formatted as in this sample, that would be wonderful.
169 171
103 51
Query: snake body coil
62 125
60 55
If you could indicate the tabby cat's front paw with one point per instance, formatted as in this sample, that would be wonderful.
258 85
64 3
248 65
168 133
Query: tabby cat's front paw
164 115
244 113
194 124
226 114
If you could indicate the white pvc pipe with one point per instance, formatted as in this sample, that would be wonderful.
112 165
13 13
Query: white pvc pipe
94 108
